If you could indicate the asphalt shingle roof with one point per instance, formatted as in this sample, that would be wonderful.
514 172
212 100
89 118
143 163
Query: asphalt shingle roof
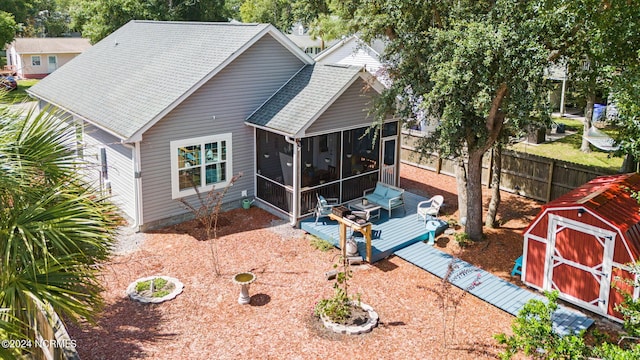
129 78
304 97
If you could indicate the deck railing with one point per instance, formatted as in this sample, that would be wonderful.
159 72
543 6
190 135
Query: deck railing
351 188
274 193
354 187
308 199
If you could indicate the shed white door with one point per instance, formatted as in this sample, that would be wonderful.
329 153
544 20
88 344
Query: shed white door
579 261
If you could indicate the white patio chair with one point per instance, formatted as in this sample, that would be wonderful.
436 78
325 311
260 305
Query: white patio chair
324 206
429 208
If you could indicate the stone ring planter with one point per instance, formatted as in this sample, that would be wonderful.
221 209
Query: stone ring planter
133 294
372 321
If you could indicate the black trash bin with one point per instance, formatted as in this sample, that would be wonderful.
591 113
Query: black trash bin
560 128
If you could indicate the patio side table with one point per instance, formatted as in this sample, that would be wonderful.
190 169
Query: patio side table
372 210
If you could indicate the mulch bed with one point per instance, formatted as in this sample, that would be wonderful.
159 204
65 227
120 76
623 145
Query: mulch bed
206 322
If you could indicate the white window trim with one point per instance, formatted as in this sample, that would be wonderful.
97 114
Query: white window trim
33 57
176 193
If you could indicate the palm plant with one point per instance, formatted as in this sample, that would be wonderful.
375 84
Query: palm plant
54 227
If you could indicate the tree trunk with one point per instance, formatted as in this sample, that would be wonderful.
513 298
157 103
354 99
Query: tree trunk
461 182
629 164
474 195
490 220
588 115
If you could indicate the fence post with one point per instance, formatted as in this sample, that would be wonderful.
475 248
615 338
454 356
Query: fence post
552 165
438 164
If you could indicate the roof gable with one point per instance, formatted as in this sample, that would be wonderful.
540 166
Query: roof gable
304 98
128 81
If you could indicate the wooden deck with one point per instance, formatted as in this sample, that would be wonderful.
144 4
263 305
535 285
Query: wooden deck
492 289
403 234
389 234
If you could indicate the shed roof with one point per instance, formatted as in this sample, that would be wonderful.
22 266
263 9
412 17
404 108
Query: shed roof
608 197
59 45
304 98
132 78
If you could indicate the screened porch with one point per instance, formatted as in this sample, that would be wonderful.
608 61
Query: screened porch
340 165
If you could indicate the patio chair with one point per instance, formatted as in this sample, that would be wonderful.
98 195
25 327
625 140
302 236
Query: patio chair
517 267
429 209
324 206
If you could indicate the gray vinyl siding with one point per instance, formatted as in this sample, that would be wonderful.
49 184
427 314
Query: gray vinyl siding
119 166
231 96
119 161
348 111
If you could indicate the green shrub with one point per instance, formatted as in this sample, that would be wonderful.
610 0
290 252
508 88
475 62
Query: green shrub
161 293
463 239
321 244
338 307
615 352
533 334
158 283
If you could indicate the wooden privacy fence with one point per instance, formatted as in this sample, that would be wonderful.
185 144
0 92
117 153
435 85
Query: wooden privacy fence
50 338
533 176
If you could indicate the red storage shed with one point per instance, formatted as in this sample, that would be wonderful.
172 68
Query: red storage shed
580 242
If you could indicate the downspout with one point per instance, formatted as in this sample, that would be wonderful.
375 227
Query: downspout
137 188
296 185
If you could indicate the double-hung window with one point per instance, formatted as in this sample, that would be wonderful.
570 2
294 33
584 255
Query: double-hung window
35 60
203 162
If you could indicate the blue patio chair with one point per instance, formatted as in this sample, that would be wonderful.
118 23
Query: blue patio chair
517 267
324 206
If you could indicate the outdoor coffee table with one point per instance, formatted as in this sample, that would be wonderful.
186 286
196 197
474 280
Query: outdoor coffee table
372 210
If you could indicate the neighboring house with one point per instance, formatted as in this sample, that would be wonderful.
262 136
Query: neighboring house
581 242
35 58
354 51
303 40
201 102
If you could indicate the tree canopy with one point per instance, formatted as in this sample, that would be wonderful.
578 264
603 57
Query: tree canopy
8 28
99 18
474 67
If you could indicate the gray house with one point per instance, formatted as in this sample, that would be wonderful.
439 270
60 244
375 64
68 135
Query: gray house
160 106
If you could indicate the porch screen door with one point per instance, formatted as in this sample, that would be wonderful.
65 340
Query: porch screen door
389 158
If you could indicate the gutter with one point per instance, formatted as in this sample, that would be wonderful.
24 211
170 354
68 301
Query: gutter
137 188
296 181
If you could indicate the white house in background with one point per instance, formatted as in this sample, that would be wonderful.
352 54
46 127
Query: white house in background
35 58
354 51
303 40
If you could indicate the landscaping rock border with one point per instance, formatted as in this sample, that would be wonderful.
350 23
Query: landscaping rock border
372 322
133 294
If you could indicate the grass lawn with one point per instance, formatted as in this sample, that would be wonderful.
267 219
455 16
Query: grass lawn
20 94
568 148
